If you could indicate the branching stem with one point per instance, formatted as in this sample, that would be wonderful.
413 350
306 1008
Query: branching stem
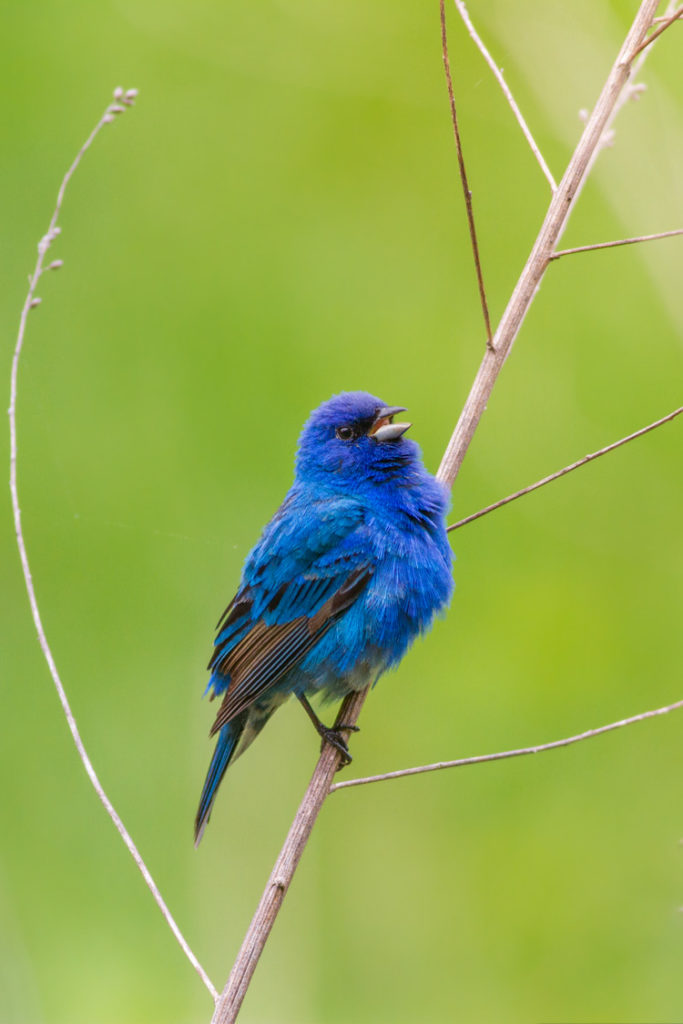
554 224
228 1005
664 25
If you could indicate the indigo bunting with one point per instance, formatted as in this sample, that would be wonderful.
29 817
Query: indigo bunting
351 568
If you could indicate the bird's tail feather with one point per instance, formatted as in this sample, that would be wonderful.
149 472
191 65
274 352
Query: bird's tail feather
228 740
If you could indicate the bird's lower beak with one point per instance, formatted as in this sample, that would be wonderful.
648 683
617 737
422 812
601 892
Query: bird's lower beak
384 429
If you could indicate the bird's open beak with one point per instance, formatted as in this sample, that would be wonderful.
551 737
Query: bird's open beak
384 429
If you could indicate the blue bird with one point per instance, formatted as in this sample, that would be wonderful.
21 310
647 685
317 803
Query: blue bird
351 568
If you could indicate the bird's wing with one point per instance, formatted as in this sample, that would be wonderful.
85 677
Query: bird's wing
274 621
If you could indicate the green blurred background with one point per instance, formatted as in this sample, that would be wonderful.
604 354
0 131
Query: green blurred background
277 220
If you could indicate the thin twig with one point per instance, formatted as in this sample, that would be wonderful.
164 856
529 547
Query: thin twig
657 33
563 472
498 75
463 177
620 241
123 100
554 224
505 754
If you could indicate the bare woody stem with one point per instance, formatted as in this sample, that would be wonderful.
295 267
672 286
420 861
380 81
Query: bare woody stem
228 1005
551 230
667 23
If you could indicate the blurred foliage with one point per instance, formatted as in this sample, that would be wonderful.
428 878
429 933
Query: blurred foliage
279 219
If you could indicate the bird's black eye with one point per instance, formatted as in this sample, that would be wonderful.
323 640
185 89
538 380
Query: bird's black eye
345 433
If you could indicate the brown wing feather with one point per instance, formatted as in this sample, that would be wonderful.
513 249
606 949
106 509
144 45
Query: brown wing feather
266 653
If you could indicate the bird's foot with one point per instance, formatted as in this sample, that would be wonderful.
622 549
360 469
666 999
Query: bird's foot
335 739
332 736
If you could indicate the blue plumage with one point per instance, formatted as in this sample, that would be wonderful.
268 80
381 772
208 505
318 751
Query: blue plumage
351 568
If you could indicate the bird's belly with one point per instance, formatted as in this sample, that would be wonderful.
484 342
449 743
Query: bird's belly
373 635
334 684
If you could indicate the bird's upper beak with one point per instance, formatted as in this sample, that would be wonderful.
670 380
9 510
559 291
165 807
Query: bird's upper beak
383 428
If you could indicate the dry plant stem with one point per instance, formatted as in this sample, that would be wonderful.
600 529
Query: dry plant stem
631 92
620 241
498 75
563 472
505 754
233 994
30 302
229 1004
667 23
463 176
551 230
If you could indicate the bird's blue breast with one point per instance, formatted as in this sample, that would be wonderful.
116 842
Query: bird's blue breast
405 533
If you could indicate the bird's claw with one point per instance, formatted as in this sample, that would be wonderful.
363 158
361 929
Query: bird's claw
336 740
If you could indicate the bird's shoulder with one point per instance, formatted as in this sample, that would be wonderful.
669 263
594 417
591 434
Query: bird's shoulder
312 544
308 526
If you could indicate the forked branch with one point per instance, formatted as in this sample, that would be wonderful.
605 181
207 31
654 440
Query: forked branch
554 224
230 1001
664 25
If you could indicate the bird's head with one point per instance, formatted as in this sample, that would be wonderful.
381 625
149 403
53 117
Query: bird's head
353 437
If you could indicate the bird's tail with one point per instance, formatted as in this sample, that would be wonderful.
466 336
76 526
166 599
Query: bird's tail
228 740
